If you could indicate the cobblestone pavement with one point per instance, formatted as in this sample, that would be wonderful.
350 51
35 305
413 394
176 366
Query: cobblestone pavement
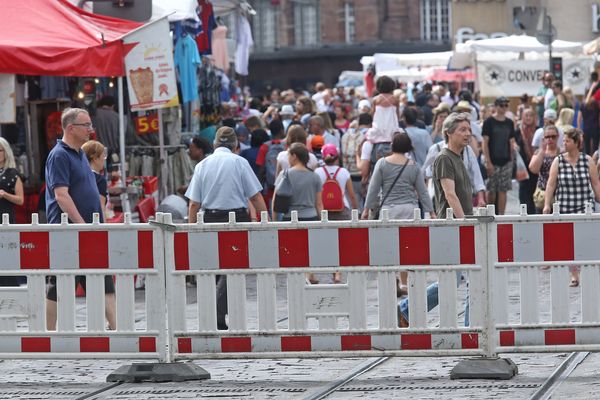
418 378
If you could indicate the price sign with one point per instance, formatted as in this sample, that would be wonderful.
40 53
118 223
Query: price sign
146 124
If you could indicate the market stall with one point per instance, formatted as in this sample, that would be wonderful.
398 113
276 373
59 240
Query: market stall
514 65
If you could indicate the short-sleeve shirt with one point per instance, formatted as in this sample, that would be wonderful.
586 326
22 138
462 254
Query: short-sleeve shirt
499 134
101 184
223 181
449 165
305 186
67 167
282 160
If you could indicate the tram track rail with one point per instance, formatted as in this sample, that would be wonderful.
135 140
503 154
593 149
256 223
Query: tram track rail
559 375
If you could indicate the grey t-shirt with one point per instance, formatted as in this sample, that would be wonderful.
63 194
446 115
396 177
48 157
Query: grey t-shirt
449 165
305 186
410 184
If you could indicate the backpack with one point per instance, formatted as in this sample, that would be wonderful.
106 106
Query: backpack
380 150
332 194
271 161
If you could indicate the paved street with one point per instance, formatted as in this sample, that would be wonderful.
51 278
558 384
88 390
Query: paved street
382 378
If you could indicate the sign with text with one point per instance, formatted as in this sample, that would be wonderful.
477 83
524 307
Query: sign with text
150 69
514 78
147 123
8 98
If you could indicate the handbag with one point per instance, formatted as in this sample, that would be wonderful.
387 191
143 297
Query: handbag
283 194
376 211
539 196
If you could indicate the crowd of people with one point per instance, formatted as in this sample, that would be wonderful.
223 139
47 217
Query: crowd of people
428 149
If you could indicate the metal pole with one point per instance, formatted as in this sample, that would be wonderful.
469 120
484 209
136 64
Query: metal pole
550 38
124 198
164 171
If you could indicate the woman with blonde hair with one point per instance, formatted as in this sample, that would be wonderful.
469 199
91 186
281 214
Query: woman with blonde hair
11 194
565 119
96 155
11 186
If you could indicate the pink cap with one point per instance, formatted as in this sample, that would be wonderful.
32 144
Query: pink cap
329 150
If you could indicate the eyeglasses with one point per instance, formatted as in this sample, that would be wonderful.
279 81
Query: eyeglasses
87 125
553 137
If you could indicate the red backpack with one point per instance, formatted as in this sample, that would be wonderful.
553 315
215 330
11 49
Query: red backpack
332 194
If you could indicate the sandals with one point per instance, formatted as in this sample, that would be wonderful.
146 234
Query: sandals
574 282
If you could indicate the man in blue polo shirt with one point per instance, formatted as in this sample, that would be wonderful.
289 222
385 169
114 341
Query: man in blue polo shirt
71 188
70 182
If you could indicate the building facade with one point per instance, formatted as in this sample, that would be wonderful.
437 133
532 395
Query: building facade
300 42
577 21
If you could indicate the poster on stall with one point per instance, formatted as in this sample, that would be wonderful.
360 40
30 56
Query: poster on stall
514 78
149 68
8 98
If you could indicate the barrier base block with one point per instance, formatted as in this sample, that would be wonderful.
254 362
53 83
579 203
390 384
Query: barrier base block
158 372
484 368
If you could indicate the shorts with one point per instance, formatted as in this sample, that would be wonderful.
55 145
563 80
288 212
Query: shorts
501 179
109 285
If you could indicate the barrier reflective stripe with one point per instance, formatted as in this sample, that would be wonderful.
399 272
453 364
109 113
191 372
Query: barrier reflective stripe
71 249
77 344
547 241
323 246
325 343
580 335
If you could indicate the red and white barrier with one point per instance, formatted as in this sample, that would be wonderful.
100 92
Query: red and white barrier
539 251
290 250
93 251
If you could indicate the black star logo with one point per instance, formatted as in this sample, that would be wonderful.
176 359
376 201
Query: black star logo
575 73
494 75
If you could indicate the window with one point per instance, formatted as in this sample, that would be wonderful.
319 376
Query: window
306 23
349 22
435 20
264 25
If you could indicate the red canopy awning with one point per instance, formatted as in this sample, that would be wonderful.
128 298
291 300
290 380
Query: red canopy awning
443 75
53 37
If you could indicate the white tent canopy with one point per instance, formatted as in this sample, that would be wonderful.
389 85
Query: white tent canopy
186 9
518 44
389 62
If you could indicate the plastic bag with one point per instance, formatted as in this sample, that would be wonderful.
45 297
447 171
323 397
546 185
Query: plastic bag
521 174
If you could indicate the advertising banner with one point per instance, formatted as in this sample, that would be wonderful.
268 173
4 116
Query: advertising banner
150 68
8 105
514 78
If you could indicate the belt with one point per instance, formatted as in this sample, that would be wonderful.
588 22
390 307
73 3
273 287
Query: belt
235 210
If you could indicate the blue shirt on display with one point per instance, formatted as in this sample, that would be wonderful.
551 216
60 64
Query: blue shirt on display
187 60
68 167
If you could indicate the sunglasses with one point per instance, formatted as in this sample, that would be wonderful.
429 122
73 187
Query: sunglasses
503 105
553 137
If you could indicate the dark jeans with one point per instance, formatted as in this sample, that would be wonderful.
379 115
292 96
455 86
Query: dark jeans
221 280
591 138
526 189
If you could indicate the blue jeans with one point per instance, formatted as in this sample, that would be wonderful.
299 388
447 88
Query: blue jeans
433 300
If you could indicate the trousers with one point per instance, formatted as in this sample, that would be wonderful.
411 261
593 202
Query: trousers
221 280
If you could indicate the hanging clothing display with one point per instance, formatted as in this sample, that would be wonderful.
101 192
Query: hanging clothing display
219 48
210 100
207 24
187 60
244 42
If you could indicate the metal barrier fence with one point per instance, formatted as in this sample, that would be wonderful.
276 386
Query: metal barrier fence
286 316
93 251
293 318
538 251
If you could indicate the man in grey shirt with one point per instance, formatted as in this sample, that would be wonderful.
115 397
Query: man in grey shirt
452 189
420 138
